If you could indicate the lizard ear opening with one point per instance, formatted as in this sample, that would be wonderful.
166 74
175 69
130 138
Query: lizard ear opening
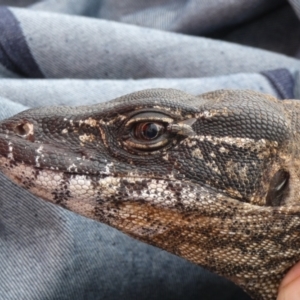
278 188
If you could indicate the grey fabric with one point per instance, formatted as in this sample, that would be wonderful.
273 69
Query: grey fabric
10 58
267 32
75 52
77 92
186 16
157 53
21 3
282 81
296 5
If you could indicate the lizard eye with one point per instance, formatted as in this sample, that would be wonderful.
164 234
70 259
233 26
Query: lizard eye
148 131
148 136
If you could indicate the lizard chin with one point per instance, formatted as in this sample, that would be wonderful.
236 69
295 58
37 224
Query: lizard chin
167 214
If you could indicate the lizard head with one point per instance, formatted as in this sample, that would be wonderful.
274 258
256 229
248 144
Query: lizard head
213 178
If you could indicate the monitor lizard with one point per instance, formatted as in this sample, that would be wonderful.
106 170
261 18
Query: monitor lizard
212 178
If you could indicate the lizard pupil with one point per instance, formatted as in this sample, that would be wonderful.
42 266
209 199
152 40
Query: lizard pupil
148 131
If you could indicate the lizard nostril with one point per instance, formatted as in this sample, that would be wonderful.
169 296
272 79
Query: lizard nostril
22 129
25 130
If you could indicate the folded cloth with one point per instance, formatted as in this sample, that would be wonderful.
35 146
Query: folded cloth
75 52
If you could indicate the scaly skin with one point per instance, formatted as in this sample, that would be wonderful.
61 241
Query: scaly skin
213 178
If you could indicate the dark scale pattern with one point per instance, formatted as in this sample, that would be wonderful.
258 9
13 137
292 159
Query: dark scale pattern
218 185
270 124
223 170
62 193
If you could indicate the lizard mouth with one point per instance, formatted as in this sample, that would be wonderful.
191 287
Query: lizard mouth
55 185
82 193
47 170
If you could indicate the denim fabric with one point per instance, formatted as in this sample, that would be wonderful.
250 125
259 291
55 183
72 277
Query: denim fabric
90 51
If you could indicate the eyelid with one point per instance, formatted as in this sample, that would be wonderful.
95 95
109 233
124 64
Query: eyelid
148 117
148 146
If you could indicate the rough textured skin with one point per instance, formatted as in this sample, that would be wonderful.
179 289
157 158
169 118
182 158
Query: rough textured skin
213 178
